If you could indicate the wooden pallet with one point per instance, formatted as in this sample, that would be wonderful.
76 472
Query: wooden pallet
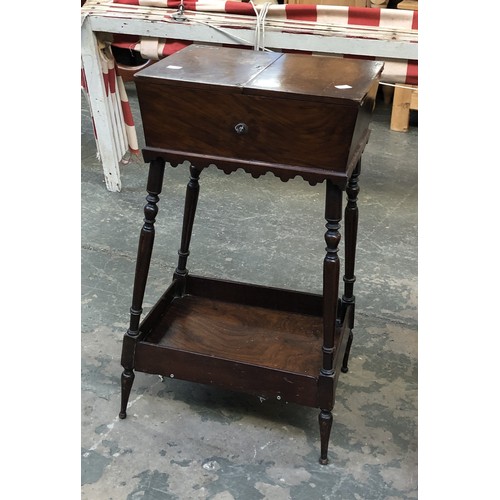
405 99
408 5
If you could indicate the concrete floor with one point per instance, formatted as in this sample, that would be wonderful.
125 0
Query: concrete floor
189 441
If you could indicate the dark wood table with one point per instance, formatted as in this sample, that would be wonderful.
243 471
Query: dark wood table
289 114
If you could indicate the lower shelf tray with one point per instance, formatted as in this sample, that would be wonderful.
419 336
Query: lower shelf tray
241 337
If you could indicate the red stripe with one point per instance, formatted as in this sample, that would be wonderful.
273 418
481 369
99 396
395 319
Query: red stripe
125 45
363 16
127 114
301 12
112 80
242 8
84 81
125 41
412 73
129 2
173 46
188 4
175 4
414 24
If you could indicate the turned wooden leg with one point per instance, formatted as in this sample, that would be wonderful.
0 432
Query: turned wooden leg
351 234
146 241
190 204
144 252
331 271
325 419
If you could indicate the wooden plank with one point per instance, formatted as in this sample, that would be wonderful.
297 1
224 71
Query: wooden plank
400 116
235 376
414 100
333 44
255 295
99 108
408 5
246 334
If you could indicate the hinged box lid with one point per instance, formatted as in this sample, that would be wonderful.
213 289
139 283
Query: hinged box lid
293 76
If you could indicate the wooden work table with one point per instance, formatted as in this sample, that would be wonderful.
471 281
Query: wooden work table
288 114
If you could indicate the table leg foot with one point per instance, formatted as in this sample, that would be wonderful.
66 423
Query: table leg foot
127 381
325 426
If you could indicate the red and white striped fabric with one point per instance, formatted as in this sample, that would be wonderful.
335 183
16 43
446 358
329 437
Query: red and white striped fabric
363 16
116 93
124 132
395 70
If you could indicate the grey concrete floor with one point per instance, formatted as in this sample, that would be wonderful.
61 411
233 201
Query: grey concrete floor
188 441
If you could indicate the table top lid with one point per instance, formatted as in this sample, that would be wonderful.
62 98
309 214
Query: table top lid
285 75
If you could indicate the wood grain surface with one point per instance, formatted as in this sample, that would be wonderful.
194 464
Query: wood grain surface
255 335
